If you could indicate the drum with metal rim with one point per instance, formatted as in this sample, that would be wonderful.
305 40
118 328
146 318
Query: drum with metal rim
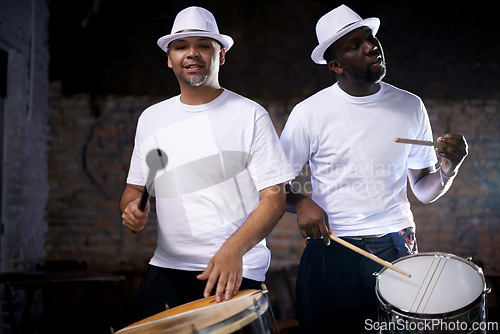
247 312
445 294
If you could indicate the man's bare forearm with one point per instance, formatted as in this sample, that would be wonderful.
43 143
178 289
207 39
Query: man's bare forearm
262 220
292 199
130 193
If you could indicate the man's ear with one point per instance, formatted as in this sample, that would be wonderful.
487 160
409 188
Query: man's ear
335 67
222 56
169 62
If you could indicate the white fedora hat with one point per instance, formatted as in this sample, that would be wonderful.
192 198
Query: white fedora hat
336 24
195 21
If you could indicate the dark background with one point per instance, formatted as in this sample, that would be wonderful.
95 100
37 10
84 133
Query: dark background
105 68
436 49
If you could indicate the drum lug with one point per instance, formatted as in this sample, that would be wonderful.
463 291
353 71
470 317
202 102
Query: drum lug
469 258
255 305
264 290
193 329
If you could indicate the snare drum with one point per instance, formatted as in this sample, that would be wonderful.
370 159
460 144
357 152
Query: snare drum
247 312
445 294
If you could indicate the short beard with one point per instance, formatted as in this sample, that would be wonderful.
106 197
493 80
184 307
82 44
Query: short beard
196 80
377 77
367 76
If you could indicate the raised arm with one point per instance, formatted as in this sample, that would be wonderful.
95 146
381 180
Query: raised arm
430 184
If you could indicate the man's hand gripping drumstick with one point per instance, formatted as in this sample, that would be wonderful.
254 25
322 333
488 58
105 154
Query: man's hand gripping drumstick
368 255
429 184
135 199
452 148
313 223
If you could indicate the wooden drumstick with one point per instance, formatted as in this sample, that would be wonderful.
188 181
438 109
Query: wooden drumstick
420 142
368 255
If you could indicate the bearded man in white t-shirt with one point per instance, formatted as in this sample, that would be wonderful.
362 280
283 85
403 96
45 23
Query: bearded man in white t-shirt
219 172
359 174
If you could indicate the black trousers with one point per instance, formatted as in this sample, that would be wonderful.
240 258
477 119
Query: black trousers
335 291
163 286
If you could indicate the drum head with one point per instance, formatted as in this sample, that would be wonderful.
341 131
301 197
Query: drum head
225 317
440 283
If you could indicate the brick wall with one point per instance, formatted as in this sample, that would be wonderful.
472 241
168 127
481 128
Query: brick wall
24 37
466 220
91 144
90 149
24 131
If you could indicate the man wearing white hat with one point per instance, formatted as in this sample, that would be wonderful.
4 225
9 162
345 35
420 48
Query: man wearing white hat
218 179
359 174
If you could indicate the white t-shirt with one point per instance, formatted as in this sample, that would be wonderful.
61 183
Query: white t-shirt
215 158
359 174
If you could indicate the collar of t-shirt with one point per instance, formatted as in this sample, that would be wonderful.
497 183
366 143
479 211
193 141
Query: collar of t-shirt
359 99
202 107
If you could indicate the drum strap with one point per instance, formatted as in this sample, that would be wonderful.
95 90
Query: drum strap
409 238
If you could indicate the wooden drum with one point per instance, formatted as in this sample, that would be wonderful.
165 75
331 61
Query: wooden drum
247 312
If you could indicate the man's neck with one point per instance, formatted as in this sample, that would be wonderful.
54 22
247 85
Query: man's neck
199 95
359 90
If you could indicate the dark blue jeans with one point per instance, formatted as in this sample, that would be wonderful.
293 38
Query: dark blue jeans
335 289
